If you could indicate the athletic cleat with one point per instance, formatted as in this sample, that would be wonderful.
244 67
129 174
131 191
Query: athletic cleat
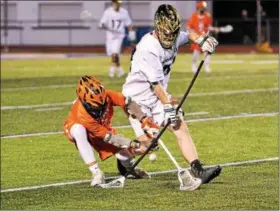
97 179
137 173
187 181
208 174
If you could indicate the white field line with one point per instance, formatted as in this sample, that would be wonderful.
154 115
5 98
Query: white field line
49 109
121 82
196 113
265 62
128 126
151 173
35 106
229 92
230 61
59 67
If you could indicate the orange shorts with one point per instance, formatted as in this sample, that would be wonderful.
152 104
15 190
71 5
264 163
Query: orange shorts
195 47
104 149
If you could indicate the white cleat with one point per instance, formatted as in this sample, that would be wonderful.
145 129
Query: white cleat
97 179
187 181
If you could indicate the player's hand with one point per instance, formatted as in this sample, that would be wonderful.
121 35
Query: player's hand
207 43
150 128
170 114
132 36
181 113
137 148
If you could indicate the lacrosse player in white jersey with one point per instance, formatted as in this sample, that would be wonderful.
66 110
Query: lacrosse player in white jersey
114 21
148 79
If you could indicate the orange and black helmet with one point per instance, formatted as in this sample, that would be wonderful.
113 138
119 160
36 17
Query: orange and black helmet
92 95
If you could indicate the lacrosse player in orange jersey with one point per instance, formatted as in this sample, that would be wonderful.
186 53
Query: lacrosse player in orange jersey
201 23
89 125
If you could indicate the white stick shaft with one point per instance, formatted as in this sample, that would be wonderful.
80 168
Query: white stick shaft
169 154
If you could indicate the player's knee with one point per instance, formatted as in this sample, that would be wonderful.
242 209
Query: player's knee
77 131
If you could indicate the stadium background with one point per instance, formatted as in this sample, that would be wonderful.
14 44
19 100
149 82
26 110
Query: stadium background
56 25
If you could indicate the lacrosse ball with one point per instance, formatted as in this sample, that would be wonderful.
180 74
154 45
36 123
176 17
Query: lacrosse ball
152 157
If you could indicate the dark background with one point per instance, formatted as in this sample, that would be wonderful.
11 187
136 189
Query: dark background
232 9
229 12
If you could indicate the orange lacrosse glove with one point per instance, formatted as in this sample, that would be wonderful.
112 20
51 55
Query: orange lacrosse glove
149 127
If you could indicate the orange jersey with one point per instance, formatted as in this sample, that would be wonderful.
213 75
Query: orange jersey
96 128
199 24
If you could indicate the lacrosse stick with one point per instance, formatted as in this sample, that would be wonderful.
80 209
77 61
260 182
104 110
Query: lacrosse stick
226 29
119 183
187 181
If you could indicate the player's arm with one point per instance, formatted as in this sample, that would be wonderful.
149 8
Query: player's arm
206 43
102 133
103 21
131 31
131 107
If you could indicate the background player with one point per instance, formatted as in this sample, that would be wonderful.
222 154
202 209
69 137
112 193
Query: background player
89 124
201 22
147 82
114 21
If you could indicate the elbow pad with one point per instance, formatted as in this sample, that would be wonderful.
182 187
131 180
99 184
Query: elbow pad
117 140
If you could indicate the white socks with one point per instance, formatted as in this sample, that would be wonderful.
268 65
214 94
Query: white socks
195 56
120 71
113 69
79 133
207 64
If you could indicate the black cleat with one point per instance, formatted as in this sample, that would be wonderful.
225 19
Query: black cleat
136 173
207 174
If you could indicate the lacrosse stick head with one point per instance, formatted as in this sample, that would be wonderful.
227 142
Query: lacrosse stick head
226 29
85 15
117 183
187 181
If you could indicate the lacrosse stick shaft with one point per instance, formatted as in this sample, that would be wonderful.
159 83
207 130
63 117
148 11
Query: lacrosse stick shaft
191 83
169 154
155 140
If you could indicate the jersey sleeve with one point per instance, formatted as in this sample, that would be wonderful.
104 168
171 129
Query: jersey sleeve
151 66
127 19
117 98
104 19
183 37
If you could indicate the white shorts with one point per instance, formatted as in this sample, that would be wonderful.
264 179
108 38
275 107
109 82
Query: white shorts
156 111
113 45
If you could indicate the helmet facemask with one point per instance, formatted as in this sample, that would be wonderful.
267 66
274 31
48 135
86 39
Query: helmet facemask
167 25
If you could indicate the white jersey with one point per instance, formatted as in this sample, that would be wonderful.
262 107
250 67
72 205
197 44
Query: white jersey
115 21
150 63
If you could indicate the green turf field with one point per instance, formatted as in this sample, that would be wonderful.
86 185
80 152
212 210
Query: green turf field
232 114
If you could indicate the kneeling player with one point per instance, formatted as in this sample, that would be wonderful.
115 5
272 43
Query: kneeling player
89 124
